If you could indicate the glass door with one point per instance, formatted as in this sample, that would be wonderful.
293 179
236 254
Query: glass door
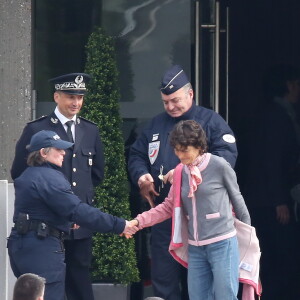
150 36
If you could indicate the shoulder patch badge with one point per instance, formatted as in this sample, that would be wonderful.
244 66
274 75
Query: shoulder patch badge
153 151
229 138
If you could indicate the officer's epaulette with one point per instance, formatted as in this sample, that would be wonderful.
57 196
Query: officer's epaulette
41 118
84 119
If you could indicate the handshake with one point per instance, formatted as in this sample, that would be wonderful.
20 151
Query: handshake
131 227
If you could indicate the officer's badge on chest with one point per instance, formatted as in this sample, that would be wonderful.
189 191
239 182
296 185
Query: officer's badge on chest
153 148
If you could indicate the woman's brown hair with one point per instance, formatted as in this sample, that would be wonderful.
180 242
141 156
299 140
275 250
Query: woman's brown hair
188 133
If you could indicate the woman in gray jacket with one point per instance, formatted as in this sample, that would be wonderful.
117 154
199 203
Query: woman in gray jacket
202 201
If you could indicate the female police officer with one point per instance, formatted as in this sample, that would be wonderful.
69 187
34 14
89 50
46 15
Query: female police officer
45 207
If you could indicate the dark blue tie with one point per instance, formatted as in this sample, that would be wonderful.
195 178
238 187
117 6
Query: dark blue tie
69 132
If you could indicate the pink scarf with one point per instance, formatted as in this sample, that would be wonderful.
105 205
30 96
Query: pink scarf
195 168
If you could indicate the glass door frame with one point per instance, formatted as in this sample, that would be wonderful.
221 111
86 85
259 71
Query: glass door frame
212 55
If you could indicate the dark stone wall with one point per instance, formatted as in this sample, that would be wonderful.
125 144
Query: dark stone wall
15 76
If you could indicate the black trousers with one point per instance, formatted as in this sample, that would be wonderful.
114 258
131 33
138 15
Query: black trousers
44 257
169 278
78 282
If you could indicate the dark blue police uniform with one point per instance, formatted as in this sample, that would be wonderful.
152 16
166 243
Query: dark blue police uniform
44 194
157 131
84 168
152 153
83 164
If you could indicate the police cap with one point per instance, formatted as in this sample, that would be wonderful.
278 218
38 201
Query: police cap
173 80
73 83
45 139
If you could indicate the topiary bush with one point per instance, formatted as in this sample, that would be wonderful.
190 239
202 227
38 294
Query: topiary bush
114 257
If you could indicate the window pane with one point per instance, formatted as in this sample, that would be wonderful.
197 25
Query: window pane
61 31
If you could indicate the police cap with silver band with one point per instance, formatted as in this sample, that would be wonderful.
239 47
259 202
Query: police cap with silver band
45 139
173 80
73 83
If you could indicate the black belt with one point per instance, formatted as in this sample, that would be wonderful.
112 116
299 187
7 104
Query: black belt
38 225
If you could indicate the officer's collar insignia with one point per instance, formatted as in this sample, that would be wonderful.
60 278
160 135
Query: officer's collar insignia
78 120
155 136
54 120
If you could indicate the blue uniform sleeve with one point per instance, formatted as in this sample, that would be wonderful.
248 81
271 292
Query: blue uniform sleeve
96 220
221 141
138 162
57 194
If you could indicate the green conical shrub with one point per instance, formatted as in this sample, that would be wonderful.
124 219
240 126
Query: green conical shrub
114 256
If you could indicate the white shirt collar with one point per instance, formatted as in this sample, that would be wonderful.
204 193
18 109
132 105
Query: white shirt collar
62 118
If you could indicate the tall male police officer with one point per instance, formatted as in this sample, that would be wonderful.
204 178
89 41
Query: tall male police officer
151 164
83 166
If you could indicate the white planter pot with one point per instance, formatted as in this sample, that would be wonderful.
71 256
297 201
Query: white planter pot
110 291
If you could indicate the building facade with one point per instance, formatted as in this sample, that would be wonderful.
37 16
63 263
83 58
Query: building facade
224 46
